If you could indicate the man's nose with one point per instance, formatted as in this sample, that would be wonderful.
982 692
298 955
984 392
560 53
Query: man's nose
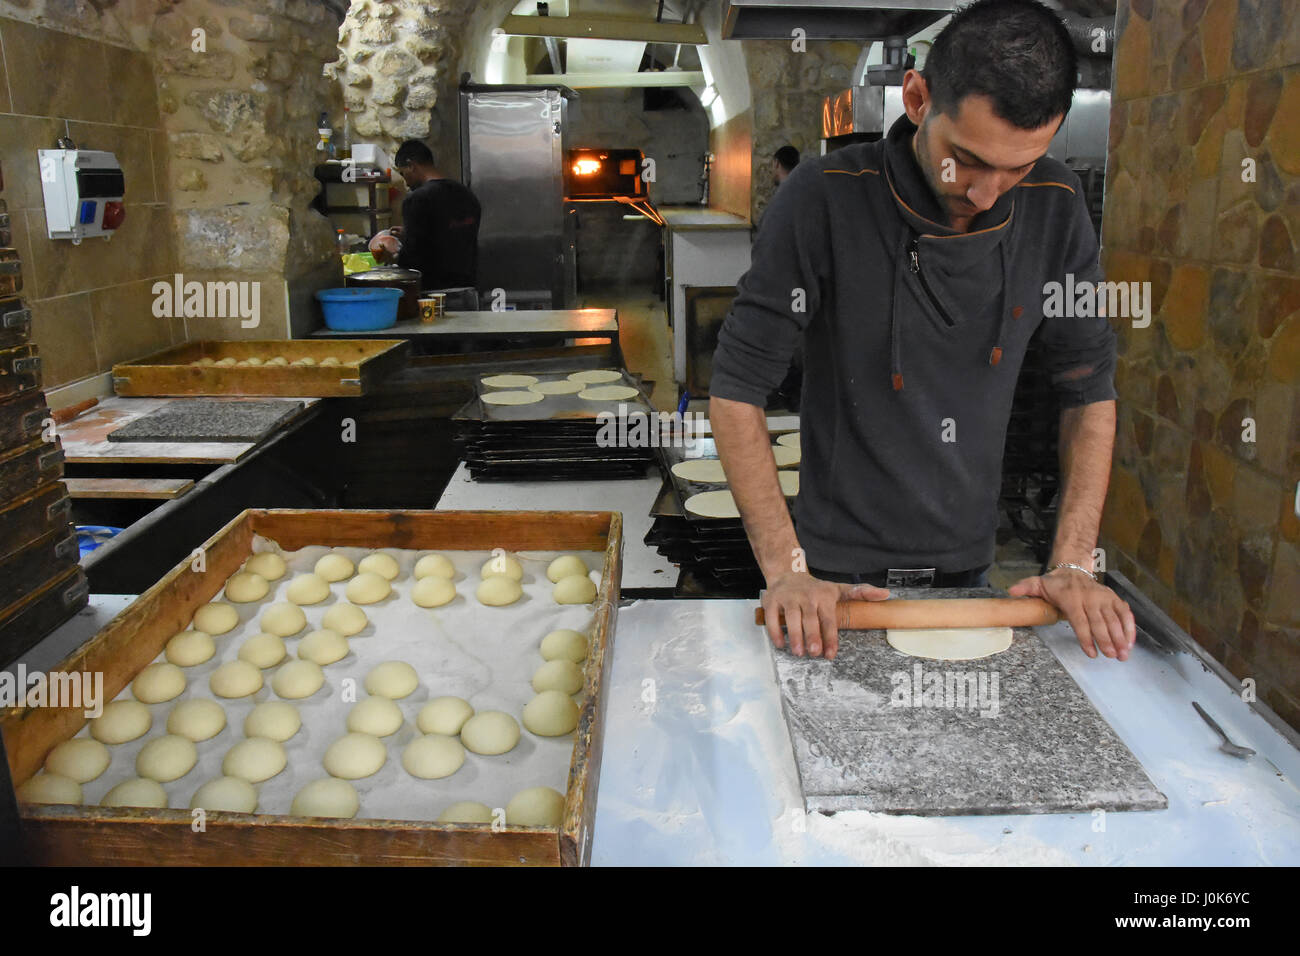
984 192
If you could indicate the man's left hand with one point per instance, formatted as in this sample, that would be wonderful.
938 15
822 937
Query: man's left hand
1098 615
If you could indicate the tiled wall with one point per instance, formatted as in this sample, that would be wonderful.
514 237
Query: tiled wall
91 303
1200 511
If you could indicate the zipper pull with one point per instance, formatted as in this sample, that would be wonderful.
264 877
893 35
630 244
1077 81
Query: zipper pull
916 259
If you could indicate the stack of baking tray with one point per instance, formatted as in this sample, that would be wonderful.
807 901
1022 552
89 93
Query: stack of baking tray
562 436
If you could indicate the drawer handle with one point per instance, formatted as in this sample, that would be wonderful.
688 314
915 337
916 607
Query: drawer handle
18 318
61 507
32 419
11 267
52 457
31 363
68 546
76 591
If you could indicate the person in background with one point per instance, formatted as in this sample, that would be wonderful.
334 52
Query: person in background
783 163
440 216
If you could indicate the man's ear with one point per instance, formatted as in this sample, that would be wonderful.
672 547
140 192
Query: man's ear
916 97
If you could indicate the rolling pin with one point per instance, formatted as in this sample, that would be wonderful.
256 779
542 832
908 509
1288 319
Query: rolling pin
954 612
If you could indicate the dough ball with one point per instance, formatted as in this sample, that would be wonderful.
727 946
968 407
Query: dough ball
499 591
254 361
298 679
433 591
565 644
283 620
166 758
384 565
433 757
225 794
551 713
327 797
255 759
122 720
502 565
197 719
205 361
305 360
392 679
368 588
263 650
434 565
491 732
245 586
376 716
50 788
354 756
560 674
345 619
444 715
215 619
226 362
323 647
278 360
466 811
189 648
80 759
268 564
575 589
274 720
157 683
535 807
329 360
335 567
235 679
136 792
564 566
307 589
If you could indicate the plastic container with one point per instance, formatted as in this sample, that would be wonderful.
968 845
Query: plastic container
359 310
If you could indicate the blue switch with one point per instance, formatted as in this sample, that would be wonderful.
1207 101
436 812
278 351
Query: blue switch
88 211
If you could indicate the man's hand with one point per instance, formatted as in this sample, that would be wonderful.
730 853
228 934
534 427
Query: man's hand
1098 615
382 247
809 607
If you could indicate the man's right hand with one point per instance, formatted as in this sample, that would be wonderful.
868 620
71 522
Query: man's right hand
383 247
808 604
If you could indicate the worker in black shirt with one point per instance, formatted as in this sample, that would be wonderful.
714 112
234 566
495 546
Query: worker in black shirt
440 216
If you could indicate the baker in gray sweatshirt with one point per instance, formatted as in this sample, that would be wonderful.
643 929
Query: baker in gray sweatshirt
914 271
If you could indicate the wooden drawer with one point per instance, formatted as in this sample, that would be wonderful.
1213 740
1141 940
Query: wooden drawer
11 272
25 625
35 514
20 370
30 569
22 418
28 466
15 322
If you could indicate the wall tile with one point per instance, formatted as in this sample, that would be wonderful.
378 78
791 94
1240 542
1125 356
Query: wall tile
21 136
124 324
55 74
133 93
62 330
4 82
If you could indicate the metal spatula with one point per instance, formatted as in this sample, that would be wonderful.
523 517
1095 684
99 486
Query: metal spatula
1228 747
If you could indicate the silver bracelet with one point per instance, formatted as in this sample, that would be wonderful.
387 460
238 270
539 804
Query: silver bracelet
1073 567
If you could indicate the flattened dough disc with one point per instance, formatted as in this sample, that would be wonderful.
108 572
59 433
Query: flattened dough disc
608 393
950 644
792 440
785 455
512 398
701 469
712 504
789 482
562 387
595 375
509 381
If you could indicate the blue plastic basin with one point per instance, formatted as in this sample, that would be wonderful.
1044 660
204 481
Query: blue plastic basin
359 310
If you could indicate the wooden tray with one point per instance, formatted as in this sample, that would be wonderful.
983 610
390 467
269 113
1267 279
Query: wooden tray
15 322
365 362
37 513
20 370
23 626
24 468
96 836
32 568
22 418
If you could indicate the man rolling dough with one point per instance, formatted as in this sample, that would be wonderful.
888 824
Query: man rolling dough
912 271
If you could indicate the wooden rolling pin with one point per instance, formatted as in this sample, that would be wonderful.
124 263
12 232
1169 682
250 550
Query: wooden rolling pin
954 612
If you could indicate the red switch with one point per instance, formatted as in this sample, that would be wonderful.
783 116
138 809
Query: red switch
114 213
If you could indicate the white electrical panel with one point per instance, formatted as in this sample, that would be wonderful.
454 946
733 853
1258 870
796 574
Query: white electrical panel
83 193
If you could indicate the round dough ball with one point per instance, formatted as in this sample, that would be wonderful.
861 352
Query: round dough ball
278 360
254 361
215 619
354 756
268 564
434 565
444 715
368 588
189 648
122 720
466 811
551 713
335 567
283 620
433 591
433 757
50 788
226 362
535 807
136 792
327 797
384 565
490 732
255 759
499 591
166 758
575 589
263 650
323 647
345 619
298 679
560 674
564 566
235 679
274 720
565 644
244 587
307 589
157 683
205 361
502 565
80 759
225 794
376 716
197 719
329 360
392 679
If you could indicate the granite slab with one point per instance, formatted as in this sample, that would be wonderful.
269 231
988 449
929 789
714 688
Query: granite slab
206 420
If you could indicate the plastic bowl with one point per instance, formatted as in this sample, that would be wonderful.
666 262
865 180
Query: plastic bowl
359 310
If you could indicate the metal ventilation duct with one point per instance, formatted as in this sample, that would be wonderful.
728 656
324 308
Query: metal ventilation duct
829 19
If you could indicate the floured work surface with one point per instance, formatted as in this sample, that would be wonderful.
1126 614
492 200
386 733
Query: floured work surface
1012 733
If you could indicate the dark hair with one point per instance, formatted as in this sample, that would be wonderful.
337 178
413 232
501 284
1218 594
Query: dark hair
788 157
413 151
1016 52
